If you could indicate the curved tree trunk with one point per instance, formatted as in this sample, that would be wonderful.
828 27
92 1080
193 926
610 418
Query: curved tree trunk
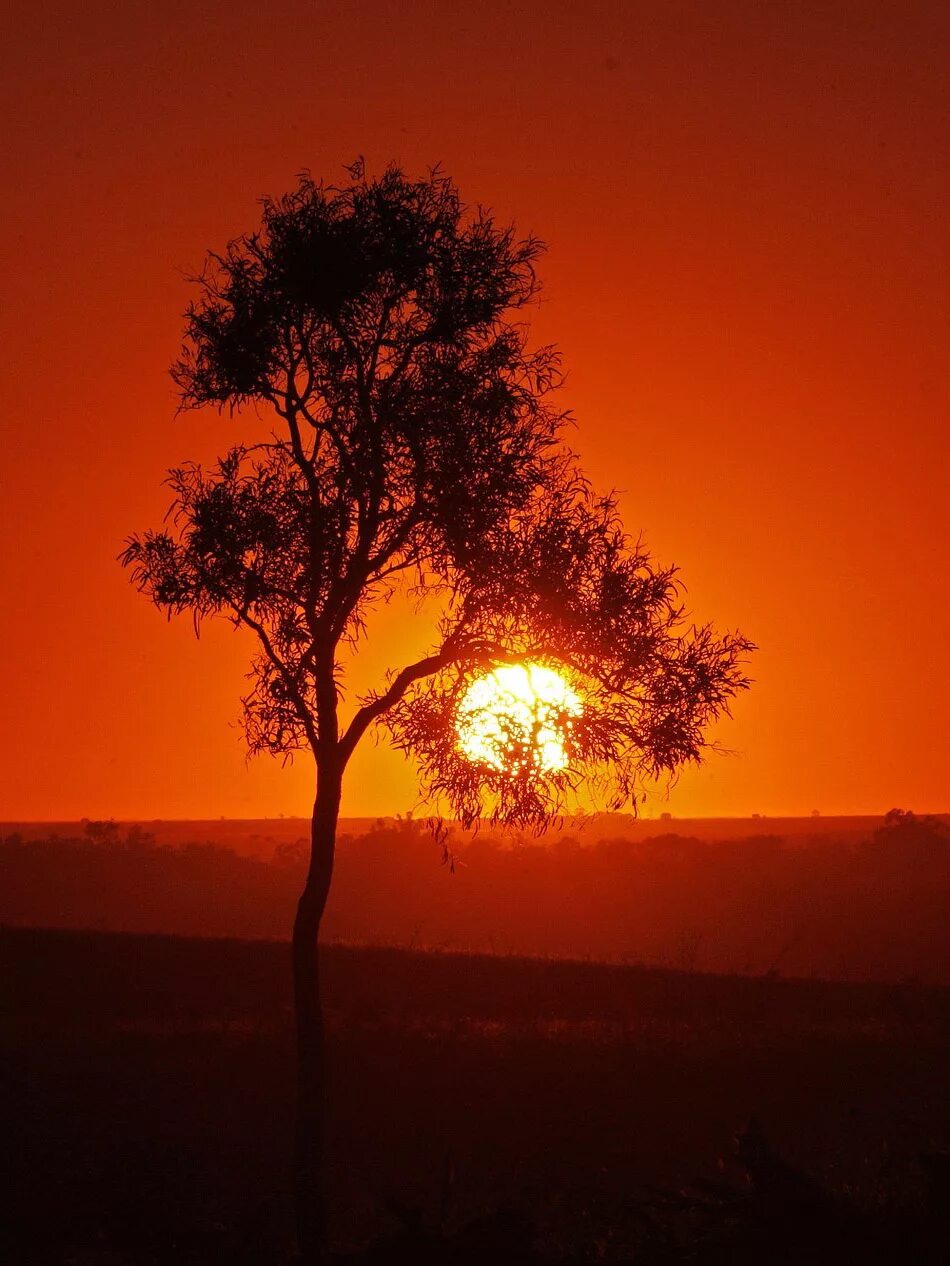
308 1185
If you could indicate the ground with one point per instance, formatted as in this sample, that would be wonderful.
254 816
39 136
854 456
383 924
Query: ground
149 1084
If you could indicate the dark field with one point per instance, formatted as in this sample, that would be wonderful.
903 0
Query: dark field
147 1085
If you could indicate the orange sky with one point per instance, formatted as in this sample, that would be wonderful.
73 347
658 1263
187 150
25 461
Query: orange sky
747 211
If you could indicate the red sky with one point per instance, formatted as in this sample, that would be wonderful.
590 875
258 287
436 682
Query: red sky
747 212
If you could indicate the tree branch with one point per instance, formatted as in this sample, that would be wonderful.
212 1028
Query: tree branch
451 653
300 703
382 703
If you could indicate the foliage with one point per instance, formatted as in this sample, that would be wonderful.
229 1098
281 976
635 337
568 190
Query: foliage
417 447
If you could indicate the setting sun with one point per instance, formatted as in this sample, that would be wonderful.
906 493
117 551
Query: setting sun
517 715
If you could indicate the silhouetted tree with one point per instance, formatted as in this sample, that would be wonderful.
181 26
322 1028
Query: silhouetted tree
416 445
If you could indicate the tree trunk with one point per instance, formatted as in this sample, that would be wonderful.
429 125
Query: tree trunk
308 1184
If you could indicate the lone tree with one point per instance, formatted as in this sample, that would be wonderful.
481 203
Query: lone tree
415 444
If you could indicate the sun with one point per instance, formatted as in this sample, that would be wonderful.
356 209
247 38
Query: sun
518 717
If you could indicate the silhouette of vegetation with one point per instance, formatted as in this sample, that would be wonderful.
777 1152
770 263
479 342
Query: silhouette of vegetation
867 906
416 445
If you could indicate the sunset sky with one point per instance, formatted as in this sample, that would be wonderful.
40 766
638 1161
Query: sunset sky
746 207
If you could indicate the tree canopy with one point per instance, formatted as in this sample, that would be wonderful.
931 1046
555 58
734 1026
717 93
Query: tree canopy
417 445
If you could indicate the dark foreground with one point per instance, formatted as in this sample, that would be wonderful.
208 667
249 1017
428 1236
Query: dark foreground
484 1110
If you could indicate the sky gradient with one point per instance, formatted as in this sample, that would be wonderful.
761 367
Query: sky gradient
747 212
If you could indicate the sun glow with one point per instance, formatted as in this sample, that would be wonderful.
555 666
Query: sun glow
517 716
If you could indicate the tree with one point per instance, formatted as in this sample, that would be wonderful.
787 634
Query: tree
417 446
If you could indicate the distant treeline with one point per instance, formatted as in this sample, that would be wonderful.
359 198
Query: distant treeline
870 908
